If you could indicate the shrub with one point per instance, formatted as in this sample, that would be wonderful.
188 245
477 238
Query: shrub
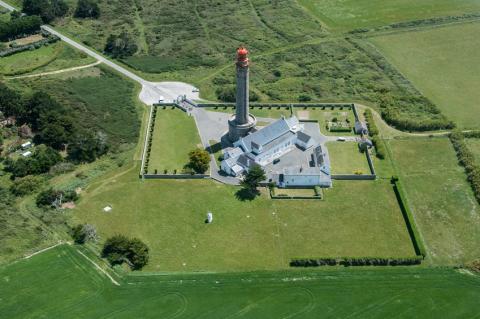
26 185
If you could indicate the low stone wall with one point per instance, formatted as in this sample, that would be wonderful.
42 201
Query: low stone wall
175 176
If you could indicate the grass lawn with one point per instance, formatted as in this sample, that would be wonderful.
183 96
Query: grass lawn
443 204
71 287
261 234
444 64
175 135
344 15
345 158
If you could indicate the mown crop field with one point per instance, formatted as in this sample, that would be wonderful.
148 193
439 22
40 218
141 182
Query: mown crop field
346 158
343 15
445 210
444 64
62 283
174 136
246 235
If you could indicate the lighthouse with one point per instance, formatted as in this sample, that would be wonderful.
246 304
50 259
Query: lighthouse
241 123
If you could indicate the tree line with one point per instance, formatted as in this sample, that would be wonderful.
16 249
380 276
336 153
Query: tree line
19 26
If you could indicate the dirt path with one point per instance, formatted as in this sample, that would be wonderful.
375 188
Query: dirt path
54 72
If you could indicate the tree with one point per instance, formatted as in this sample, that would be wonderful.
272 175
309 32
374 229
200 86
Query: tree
19 26
120 46
86 147
137 253
255 175
199 160
226 94
46 9
87 9
119 249
10 102
78 234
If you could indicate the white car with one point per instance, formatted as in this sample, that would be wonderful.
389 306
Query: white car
341 139
161 99
195 90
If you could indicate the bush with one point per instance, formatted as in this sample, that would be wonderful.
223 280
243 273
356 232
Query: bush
119 249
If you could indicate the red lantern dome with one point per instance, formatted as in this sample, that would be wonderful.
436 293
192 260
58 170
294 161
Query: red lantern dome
242 55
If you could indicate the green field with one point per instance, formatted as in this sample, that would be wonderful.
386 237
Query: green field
175 135
444 64
62 283
346 158
443 204
261 234
345 15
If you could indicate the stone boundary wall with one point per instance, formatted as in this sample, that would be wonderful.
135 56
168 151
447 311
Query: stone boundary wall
285 105
175 176
370 163
354 177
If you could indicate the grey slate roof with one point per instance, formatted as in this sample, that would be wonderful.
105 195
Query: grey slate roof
268 133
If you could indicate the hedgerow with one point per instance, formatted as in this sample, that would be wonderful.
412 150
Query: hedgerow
373 131
467 159
355 261
408 216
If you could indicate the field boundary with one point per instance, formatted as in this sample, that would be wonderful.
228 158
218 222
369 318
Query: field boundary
408 216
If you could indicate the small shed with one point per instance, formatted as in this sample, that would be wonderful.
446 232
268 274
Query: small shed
26 145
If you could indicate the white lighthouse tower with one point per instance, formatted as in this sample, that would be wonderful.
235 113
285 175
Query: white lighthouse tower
242 122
